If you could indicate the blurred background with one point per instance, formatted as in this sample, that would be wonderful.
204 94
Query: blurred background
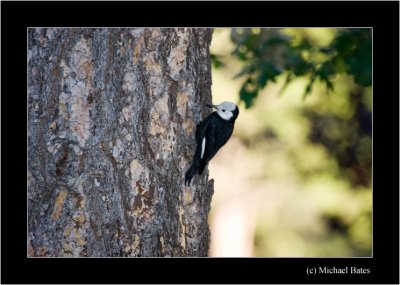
295 179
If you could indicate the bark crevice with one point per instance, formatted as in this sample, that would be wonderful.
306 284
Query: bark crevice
111 121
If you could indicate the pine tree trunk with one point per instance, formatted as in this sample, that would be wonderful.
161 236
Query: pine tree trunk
111 121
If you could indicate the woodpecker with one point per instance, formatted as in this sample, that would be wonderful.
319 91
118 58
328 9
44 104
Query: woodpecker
211 134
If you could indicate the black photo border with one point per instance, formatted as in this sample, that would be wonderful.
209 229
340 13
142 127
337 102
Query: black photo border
16 17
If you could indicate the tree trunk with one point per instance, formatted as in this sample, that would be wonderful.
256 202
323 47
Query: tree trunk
111 121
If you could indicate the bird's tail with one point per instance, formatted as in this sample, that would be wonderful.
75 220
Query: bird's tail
192 171
202 165
197 166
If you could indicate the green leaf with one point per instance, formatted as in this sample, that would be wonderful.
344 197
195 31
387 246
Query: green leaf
216 61
247 96
309 86
268 71
248 69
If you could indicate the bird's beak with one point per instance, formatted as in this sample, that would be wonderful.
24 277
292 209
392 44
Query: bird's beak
211 106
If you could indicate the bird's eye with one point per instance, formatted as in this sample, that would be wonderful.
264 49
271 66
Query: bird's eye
223 110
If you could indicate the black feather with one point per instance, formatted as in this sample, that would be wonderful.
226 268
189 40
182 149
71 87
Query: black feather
192 171
217 132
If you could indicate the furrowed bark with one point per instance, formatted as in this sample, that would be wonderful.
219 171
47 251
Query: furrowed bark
111 121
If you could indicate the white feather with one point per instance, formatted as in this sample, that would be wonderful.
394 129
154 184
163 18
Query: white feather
226 115
203 147
225 110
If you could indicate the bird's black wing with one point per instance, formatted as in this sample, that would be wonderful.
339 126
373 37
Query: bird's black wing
201 129
217 134
198 163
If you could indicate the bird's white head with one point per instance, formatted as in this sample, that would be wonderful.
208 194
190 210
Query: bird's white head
226 110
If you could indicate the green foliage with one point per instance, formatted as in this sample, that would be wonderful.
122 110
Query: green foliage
216 61
351 53
305 166
248 92
268 53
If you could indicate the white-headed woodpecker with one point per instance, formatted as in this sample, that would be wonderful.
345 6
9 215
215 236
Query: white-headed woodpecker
211 134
